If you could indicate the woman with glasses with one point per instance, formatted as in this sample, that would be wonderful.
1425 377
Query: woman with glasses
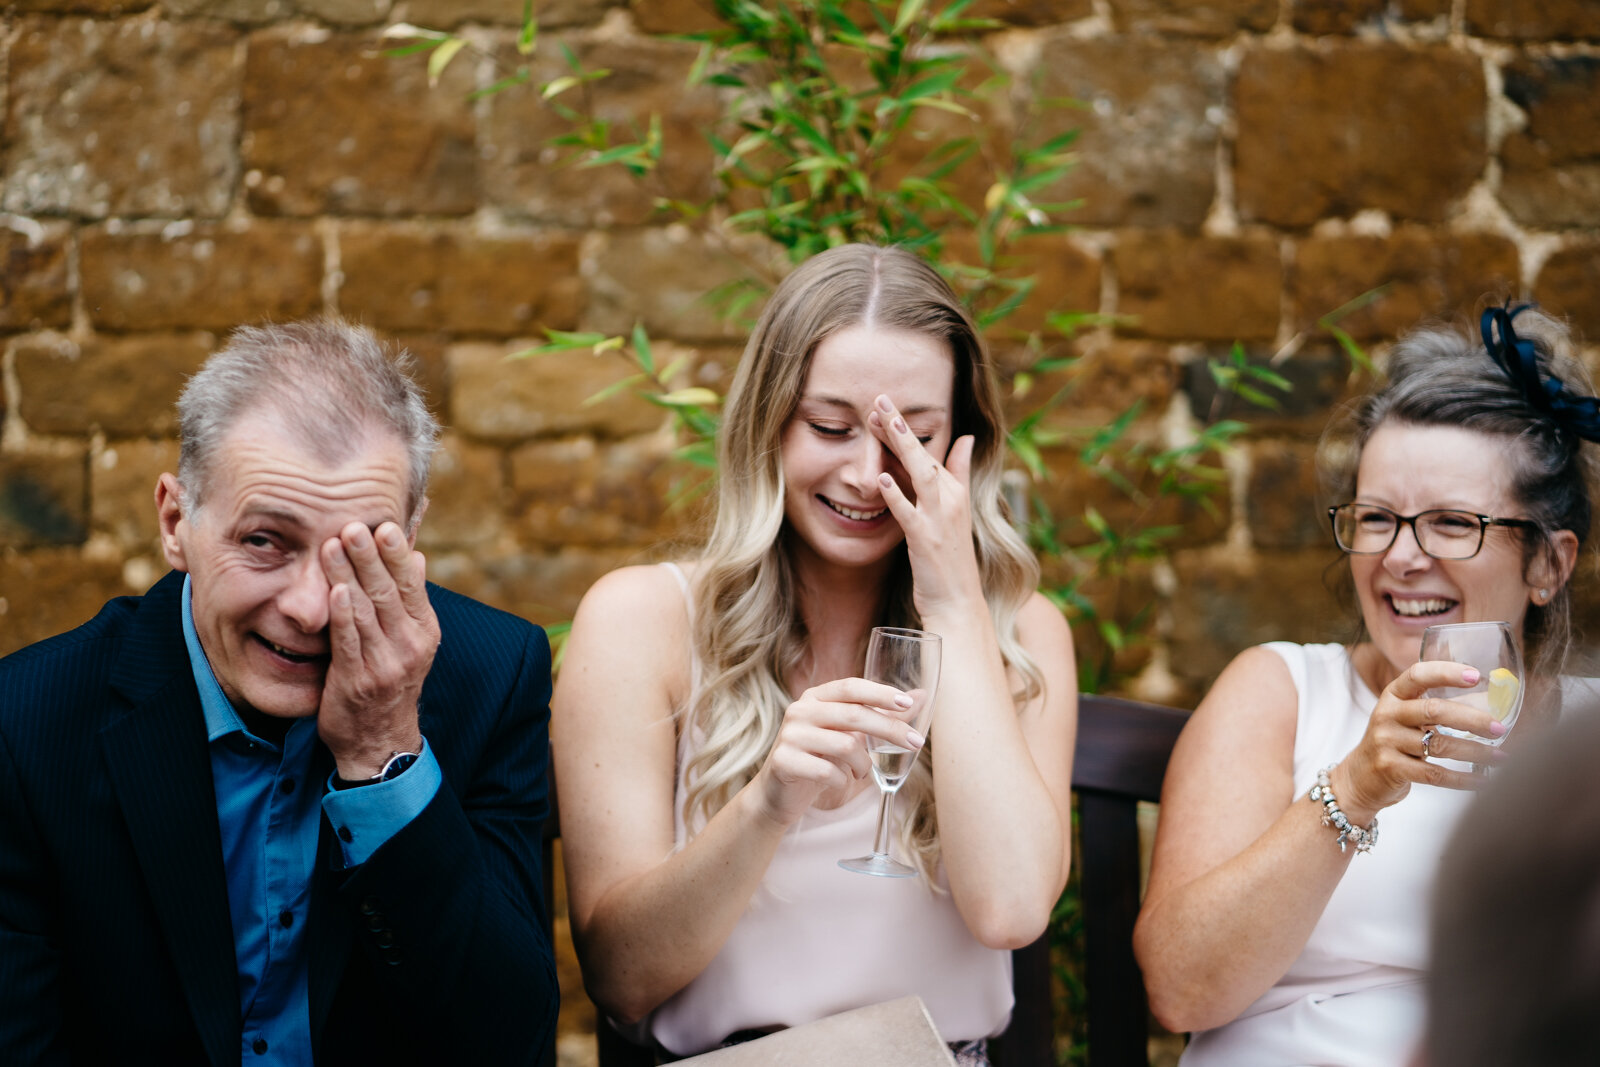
1277 926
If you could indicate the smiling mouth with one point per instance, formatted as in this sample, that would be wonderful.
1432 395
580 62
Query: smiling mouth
852 513
1420 607
290 655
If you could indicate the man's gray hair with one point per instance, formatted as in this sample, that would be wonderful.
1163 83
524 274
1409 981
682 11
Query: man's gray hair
332 383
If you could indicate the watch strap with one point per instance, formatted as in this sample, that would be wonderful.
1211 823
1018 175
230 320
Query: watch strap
392 768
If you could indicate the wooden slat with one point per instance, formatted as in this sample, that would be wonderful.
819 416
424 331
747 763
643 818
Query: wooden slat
1123 746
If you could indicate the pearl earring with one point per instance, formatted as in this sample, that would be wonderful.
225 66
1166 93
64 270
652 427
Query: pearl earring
1544 594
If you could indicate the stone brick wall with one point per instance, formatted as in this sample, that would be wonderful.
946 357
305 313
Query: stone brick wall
173 169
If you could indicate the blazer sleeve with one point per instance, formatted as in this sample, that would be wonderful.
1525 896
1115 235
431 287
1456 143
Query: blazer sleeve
448 913
30 967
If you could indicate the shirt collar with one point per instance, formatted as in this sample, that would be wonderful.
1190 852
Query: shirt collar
221 718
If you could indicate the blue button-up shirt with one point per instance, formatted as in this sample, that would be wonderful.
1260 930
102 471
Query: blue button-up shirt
270 817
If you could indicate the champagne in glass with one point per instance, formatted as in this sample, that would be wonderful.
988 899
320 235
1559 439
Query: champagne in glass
909 661
1491 648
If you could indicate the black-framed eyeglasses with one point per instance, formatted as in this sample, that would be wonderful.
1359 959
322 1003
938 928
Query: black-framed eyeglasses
1443 533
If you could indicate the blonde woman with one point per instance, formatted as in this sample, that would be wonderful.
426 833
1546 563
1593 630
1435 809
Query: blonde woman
711 722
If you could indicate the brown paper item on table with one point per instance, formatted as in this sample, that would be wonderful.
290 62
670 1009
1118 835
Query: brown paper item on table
896 1033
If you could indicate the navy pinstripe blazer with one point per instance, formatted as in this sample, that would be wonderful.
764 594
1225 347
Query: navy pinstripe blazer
115 944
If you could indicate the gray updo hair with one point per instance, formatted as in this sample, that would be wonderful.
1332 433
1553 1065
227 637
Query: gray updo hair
1443 376
331 382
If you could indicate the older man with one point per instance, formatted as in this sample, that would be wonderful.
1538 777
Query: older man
285 807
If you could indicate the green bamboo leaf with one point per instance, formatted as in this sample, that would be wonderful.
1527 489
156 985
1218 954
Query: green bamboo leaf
693 396
529 34
697 69
699 453
556 86
614 388
574 339
509 81
1059 143
1257 397
1268 376
558 634
908 13
441 58
941 104
1357 355
1025 451
941 24
673 369
413 48
641 349
942 82
1112 634
634 154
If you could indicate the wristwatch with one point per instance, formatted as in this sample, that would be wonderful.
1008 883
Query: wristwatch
392 769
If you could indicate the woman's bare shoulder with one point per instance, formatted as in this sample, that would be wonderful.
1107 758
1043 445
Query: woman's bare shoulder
1040 621
646 593
636 620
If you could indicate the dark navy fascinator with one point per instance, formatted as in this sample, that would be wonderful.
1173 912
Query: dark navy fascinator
1519 358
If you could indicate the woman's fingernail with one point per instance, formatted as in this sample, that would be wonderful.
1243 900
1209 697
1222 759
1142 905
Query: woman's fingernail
1497 729
899 424
886 480
913 739
883 402
904 700
1470 676
1497 755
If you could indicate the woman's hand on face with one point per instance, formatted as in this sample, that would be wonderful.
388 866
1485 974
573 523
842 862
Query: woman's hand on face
1390 757
936 512
821 748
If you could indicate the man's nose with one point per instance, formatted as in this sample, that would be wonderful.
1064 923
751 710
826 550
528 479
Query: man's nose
304 600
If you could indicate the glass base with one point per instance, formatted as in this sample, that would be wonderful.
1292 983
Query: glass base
879 864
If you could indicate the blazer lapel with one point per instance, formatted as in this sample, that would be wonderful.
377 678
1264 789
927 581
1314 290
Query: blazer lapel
158 762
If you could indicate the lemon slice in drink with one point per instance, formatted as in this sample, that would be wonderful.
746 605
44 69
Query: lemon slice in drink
1502 692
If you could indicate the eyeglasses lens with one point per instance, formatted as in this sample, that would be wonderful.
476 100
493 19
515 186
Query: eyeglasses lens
1367 530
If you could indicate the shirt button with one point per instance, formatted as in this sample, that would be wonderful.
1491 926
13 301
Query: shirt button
286 917
345 834
287 786
260 1046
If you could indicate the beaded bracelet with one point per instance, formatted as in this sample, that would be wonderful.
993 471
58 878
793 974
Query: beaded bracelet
1322 793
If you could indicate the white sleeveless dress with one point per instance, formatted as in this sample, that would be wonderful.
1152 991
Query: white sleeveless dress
817 940
1355 995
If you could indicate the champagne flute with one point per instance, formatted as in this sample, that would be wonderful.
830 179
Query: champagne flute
1491 648
909 661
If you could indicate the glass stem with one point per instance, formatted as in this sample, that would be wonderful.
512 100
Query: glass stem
880 841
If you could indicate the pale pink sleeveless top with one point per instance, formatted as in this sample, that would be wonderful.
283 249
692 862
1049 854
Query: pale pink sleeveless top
817 940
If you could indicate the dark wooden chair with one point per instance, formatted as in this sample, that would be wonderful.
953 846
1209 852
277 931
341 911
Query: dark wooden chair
1121 757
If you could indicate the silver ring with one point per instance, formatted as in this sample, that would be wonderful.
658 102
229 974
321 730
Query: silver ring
1427 739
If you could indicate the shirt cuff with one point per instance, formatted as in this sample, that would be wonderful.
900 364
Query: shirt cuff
363 819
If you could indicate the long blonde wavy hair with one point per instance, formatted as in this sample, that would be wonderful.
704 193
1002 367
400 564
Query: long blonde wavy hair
748 634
